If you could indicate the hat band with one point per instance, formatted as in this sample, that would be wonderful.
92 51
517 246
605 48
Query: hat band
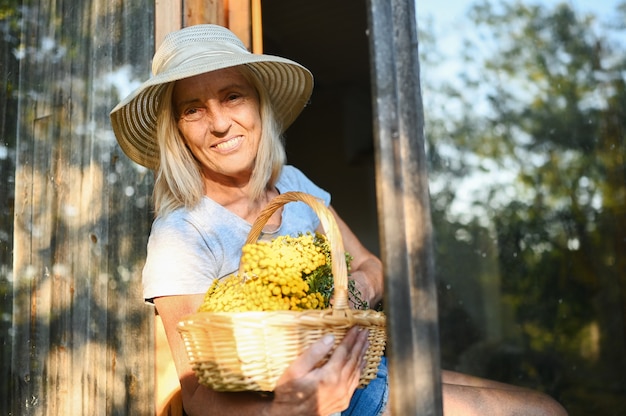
194 53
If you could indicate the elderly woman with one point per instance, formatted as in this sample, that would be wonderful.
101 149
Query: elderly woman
209 123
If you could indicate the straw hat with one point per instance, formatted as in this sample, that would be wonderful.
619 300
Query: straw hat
192 51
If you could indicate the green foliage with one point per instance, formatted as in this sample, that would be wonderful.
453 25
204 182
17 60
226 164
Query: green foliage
541 107
321 280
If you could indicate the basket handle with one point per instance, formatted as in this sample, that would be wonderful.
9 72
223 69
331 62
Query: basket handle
333 235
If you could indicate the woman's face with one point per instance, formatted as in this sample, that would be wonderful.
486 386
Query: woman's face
219 118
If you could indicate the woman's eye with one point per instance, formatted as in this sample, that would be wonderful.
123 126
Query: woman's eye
232 97
192 114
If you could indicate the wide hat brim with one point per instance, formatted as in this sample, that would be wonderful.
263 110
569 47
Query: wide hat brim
196 50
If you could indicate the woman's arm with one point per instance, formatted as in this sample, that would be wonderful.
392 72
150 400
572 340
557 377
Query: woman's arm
366 268
196 398
304 389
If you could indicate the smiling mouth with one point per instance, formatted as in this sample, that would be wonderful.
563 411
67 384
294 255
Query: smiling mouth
228 144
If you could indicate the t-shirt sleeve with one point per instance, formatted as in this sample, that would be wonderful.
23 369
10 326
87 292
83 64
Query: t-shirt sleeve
292 179
178 262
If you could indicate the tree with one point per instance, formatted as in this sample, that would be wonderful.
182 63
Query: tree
541 107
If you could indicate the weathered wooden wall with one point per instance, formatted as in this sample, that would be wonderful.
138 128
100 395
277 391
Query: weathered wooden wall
80 340
75 212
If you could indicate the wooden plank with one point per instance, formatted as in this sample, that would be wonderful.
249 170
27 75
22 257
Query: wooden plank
9 63
239 20
81 343
203 11
404 210
167 384
167 18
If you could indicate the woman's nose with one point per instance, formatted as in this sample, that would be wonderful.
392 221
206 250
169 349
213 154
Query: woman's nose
219 120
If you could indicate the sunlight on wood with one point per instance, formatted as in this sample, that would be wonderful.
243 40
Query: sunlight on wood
168 398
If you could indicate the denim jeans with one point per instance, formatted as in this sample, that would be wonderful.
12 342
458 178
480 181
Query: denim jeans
371 400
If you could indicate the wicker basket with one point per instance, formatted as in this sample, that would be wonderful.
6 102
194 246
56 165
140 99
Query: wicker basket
249 351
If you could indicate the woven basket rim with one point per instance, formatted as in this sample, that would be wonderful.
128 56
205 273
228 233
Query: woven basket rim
307 317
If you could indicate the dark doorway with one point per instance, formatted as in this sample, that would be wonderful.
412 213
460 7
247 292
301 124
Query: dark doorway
331 141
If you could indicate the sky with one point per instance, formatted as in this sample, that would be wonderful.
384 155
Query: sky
449 25
448 15
448 28
446 11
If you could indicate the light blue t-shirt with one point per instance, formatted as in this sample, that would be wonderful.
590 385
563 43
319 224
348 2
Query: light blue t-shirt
188 249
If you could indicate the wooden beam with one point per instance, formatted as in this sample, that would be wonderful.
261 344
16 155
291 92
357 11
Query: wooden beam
257 27
404 211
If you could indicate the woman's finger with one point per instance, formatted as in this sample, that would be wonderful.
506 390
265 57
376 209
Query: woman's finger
346 363
352 347
310 358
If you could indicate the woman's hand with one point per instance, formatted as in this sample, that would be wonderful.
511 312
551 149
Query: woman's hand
363 291
308 389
